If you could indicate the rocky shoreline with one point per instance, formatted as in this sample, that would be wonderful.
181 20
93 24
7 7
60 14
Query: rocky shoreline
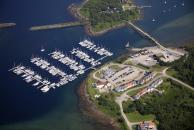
89 109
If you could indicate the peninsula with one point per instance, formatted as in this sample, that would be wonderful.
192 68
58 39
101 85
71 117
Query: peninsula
104 15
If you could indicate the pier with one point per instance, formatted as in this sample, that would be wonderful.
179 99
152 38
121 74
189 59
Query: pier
55 26
141 7
145 34
7 25
149 37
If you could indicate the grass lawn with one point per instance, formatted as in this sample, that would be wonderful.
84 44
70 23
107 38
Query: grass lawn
97 74
157 68
142 67
91 90
115 67
133 92
133 115
105 25
171 72
137 117
128 62
126 7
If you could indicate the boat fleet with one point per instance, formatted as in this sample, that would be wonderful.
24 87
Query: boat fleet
73 64
85 57
97 49
30 76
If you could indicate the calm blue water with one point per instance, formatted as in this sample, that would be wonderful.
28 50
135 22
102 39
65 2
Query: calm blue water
24 107
174 20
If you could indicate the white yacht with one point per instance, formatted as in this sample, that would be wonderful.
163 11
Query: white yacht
45 89
42 49
153 20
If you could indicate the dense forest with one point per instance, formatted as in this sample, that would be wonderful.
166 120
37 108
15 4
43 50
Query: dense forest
185 67
104 14
174 109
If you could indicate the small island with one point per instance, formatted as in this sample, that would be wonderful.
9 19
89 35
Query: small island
104 15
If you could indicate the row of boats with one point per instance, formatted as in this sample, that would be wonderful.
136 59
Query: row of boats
85 57
30 76
66 60
97 49
45 65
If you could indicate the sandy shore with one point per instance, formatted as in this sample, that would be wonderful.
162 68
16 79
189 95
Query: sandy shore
89 109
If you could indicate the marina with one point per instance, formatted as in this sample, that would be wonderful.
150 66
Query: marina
45 85
26 107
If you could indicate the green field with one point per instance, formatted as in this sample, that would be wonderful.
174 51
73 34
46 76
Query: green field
98 74
171 72
91 90
133 92
115 67
137 117
133 115
157 68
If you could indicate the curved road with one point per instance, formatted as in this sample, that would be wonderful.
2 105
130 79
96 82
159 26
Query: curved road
124 97
175 79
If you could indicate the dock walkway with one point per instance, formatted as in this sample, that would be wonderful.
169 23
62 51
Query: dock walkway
7 25
55 26
146 35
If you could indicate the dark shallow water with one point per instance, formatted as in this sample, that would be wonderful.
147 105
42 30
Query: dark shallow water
24 107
